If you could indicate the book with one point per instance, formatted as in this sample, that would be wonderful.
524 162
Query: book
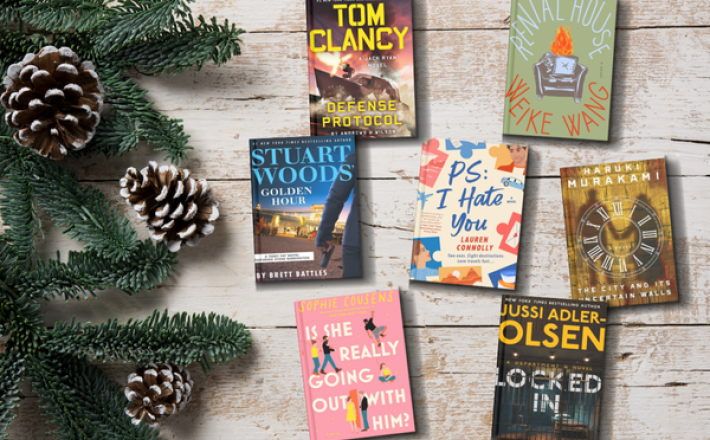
469 213
354 363
560 68
361 68
550 368
305 208
619 237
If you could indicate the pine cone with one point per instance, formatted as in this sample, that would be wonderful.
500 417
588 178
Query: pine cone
156 392
178 209
54 101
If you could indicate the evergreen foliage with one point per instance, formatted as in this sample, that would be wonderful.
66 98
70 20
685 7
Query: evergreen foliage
155 36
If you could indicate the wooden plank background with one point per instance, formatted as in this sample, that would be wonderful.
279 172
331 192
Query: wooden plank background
657 383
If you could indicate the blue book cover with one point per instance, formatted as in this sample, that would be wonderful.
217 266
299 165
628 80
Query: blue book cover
305 208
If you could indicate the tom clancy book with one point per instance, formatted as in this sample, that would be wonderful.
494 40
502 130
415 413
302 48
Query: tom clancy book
560 68
361 68
619 237
305 208
354 365
469 213
549 375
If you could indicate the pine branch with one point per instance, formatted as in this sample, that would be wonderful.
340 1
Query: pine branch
83 212
81 401
20 317
191 45
84 273
139 20
64 15
181 339
9 11
12 369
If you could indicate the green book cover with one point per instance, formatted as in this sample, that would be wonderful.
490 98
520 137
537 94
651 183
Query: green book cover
560 67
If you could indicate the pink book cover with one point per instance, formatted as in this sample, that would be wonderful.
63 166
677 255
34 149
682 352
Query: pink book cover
354 364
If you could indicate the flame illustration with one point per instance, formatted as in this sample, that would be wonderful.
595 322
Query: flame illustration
333 59
563 42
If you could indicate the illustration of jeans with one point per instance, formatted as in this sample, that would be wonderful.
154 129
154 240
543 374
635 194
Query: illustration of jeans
386 379
316 365
364 419
328 359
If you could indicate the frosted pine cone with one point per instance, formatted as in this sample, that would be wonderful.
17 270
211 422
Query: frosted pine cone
156 392
178 209
54 100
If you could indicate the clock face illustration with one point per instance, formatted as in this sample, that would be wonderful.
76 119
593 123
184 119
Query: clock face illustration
620 237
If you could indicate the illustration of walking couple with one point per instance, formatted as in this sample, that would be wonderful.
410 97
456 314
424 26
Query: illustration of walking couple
327 349
373 331
351 415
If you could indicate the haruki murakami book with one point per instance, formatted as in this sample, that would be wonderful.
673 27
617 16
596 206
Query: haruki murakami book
305 208
560 67
361 68
619 237
549 375
354 364
469 213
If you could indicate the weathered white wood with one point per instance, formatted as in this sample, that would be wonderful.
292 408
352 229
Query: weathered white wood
218 274
290 15
656 386
660 105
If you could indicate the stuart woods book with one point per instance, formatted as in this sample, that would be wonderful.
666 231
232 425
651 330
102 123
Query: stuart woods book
550 369
305 208
361 68
469 213
354 364
619 236
560 68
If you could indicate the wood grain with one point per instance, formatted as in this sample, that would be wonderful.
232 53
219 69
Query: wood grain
654 387
656 384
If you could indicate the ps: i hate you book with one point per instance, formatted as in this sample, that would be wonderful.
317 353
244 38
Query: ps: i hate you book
354 364
560 68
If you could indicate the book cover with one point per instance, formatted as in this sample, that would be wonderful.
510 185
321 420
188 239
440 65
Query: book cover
560 67
619 237
469 213
550 367
354 363
305 208
361 68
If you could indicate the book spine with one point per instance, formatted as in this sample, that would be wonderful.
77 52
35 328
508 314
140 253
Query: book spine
569 234
303 353
510 72
309 25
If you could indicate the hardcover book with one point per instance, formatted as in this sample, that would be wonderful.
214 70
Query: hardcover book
619 237
305 208
354 363
469 213
361 68
550 369
560 67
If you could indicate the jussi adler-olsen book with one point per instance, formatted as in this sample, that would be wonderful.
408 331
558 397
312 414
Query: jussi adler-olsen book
305 208
550 365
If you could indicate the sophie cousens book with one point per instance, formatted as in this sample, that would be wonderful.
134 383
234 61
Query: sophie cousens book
469 213
619 237
550 365
305 208
361 68
560 65
354 364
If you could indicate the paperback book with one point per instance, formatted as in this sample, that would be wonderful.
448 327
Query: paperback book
560 67
619 237
550 369
305 208
469 213
354 364
361 68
